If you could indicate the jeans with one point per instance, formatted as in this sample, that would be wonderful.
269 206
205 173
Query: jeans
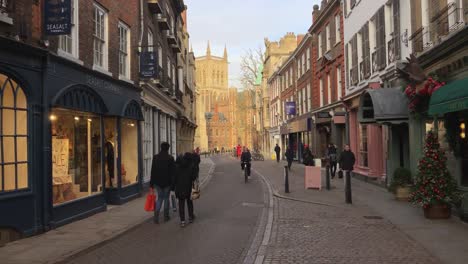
182 209
277 156
163 196
289 164
332 168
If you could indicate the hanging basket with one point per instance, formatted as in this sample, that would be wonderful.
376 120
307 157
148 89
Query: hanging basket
437 211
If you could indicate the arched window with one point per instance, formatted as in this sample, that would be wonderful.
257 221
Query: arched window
13 136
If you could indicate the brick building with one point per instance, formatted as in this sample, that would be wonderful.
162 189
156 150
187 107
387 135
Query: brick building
75 101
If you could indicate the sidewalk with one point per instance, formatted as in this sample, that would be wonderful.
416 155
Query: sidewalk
445 239
63 242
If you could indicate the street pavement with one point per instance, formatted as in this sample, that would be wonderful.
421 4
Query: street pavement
225 224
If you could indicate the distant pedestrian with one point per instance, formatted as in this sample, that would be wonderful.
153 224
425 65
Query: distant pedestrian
277 151
238 150
308 157
347 160
162 177
183 183
289 156
332 159
196 161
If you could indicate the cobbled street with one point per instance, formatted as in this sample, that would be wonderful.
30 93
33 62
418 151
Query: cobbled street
230 212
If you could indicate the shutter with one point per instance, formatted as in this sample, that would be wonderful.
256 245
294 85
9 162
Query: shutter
366 49
355 72
416 26
347 65
396 28
345 4
381 51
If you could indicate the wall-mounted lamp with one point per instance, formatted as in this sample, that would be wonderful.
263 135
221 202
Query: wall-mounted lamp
52 117
462 130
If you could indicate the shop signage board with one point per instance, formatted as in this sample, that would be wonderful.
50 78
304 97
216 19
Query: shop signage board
313 177
148 65
60 155
290 108
323 115
57 17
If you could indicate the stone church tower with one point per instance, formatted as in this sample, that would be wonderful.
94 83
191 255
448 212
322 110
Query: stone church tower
214 98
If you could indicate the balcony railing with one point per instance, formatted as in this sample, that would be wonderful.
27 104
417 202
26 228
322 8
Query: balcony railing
177 47
171 37
391 51
163 21
155 6
361 71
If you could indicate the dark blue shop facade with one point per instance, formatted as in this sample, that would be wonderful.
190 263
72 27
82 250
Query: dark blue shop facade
69 140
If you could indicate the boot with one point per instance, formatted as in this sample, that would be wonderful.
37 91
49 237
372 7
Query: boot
156 217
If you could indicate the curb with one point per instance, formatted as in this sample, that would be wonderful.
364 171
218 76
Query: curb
116 235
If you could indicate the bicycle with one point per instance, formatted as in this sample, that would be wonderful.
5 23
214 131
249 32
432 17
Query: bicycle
257 156
245 166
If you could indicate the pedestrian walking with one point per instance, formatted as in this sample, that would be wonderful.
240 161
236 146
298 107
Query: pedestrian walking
289 156
347 160
332 159
277 151
186 175
162 177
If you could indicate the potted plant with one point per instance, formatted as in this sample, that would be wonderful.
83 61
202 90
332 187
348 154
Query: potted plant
434 188
401 184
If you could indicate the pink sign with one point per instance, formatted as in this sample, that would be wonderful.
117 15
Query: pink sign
313 177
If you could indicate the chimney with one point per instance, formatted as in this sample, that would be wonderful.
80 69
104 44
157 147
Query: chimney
315 13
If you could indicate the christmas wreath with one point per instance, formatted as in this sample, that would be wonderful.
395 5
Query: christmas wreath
419 95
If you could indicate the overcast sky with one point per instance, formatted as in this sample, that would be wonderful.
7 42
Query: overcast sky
243 24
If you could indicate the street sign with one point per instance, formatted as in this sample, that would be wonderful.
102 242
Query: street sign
290 108
148 64
57 17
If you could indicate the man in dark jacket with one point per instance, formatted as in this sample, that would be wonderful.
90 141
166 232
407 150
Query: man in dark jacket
289 156
246 158
186 175
277 151
347 159
162 178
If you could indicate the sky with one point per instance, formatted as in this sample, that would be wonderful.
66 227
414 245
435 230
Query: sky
243 24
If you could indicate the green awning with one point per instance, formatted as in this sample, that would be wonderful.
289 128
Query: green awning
451 97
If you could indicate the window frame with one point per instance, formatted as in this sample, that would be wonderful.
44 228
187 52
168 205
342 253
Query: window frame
73 37
103 38
124 51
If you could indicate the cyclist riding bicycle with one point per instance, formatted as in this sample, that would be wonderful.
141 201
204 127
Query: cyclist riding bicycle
246 158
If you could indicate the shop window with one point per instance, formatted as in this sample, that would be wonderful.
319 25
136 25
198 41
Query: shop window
129 152
110 151
363 153
76 155
13 136
147 142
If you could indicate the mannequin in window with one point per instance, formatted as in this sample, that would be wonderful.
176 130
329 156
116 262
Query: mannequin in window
110 157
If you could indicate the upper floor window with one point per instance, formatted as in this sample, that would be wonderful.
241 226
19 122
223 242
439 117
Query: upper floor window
100 37
337 29
328 37
124 50
308 58
319 46
69 43
150 40
13 136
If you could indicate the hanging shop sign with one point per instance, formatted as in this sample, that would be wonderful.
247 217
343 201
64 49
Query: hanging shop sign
323 115
290 108
57 17
148 65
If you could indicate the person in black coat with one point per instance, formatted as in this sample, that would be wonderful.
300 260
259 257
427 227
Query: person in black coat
289 157
246 159
347 159
186 175
162 178
332 157
277 151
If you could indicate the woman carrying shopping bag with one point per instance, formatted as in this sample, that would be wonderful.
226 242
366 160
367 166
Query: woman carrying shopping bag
184 179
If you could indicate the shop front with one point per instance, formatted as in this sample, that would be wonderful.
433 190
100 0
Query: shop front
296 134
69 141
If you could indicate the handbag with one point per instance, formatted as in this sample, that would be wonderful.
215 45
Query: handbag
150 200
195 190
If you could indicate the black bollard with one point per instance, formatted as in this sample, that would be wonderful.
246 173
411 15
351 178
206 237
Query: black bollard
327 179
286 179
348 195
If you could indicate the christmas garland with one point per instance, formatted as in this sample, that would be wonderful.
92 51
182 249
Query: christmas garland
419 98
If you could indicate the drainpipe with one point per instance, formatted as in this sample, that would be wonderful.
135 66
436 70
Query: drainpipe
142 29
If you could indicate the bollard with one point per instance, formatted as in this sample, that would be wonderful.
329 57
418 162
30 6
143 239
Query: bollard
327 179
348 187
286 180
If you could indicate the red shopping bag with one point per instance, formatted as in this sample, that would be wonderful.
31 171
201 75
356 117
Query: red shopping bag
150 199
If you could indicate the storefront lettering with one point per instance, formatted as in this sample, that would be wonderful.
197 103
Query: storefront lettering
457 106
101 84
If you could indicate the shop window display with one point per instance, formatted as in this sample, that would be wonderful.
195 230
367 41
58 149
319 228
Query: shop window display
76 155
110 152
13 136
129 152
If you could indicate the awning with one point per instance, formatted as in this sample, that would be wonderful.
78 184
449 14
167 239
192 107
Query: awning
451 97
384 105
